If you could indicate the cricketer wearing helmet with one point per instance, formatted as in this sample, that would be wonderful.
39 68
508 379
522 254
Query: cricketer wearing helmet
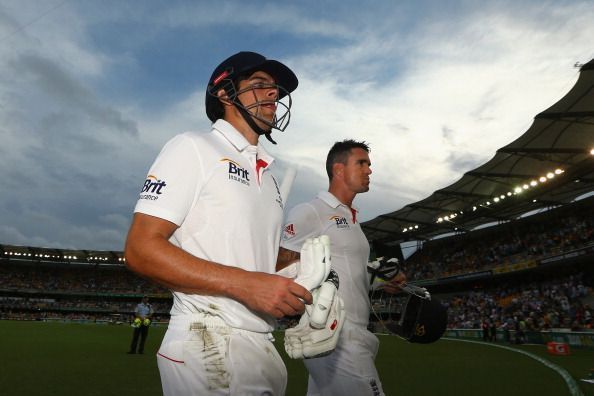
207 225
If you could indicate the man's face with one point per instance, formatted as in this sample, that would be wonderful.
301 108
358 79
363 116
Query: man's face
258 95
357 171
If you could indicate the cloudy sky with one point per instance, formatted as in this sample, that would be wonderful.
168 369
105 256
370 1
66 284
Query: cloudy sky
91 90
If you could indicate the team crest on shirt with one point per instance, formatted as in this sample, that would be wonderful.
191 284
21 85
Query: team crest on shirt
152 188
237 172
341 222
289 232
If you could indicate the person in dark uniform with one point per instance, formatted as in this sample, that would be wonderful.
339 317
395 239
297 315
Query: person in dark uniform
142 321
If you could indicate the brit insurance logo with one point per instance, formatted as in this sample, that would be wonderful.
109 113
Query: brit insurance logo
152 188
341 222
237 172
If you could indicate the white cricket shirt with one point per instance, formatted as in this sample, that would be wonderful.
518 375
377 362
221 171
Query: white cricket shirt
348 245
218 189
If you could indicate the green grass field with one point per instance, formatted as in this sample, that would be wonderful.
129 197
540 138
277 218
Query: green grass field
86 359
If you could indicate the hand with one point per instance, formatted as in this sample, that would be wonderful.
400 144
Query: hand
394 285
273 295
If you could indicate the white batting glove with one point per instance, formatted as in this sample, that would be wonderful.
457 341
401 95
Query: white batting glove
305 341
314 265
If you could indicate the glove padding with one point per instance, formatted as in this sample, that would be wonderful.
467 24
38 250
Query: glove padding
304 341
314 264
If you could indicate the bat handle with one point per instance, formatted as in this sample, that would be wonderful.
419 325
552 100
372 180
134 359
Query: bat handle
287 183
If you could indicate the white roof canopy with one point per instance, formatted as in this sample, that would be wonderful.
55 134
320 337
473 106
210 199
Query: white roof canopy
560 138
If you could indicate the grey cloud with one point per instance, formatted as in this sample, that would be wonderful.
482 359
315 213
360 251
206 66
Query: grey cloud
10 24
463 161
58 86
68 174
447 134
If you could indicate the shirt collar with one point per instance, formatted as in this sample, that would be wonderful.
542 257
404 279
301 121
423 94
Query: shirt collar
239 141
332 201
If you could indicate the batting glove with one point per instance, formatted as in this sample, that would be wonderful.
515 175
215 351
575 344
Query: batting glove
314 265
318 330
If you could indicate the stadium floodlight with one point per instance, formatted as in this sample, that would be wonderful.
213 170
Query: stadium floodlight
559 171
416 227
502 196
518 190
542 179
550 175
439 220
592 152
474 208
533 183
496 199
525 186
404 230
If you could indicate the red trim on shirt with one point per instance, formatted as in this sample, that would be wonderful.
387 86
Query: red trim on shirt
354 212
260 163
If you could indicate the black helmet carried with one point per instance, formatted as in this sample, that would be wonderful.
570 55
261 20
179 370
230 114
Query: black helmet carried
423 318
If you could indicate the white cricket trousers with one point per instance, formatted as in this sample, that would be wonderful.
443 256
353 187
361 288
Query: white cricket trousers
349 369
201 355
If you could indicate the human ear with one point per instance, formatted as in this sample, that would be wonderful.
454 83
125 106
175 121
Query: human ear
223 97
338 169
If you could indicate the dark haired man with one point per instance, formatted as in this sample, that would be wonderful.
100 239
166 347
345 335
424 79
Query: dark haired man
142 320
207 225
350 368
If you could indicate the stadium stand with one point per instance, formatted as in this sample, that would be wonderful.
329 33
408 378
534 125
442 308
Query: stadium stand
523 278
509 245
537 270
53 284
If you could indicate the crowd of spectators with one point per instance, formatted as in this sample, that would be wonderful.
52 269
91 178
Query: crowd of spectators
109 293
87 309
536 306
562 304
521 242
76 293
52 304
73 278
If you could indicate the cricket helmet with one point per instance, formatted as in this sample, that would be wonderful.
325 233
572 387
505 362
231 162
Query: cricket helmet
423 318
227 75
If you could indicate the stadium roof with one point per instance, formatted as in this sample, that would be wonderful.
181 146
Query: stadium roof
66 256
520 178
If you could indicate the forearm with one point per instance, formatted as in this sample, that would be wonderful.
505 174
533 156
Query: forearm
170 266
150 254
286 257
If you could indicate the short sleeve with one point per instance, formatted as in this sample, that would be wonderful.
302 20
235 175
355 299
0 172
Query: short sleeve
302 222
173 181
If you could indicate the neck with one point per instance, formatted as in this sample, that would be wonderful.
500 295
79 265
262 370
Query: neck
243 128
234 117
343 195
